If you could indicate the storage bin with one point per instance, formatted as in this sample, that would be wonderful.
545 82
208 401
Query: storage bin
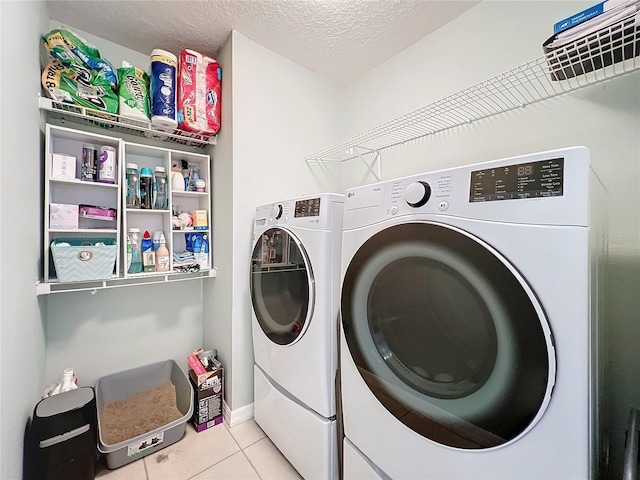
122 385
83 260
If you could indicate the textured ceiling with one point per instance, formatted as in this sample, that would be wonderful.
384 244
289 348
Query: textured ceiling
338 39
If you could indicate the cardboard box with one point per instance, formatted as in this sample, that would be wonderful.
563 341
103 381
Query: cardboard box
63 216
197 371
199 219
208 388
63 167
207 408
97 213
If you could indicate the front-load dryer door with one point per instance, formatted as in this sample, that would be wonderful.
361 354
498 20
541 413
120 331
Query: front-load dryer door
447 335
282 286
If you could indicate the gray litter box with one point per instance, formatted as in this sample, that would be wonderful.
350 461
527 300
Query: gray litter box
121 385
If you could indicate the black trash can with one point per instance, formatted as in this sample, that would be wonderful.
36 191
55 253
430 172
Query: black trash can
63 437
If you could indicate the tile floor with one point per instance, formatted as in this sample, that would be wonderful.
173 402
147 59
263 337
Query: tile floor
242 452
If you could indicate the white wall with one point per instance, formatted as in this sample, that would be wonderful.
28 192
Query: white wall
122 328
485 41
218 292
281 112
22 315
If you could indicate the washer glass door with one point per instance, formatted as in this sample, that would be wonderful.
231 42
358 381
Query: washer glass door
447 335
281 286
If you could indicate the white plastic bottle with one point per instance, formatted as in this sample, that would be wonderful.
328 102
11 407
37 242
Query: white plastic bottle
162 256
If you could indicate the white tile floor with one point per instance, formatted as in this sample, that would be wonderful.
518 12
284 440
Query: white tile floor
242 452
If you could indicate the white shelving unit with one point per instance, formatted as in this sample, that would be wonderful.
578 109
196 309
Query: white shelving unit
67 141
63 140
599 57
185 201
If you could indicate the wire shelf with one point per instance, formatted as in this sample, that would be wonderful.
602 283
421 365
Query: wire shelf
598 57
92 286
117 123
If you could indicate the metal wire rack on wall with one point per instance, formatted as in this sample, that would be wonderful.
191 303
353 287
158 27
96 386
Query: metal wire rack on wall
117 123
595 58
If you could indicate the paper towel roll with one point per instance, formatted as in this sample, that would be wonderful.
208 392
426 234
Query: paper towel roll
163 89
133 93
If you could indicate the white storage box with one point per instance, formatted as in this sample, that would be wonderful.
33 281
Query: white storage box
63 216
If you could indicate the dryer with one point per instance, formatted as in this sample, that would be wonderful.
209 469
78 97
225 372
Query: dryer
295 291
469 321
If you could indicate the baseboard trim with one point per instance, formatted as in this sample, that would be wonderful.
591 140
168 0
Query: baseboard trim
239 415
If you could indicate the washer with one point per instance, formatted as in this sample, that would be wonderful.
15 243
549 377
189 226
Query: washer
295 292
469 322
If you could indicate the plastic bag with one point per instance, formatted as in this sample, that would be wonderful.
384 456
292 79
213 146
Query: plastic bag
79 85
70 48
65 383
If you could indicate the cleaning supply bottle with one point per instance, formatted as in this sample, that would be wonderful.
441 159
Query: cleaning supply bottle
146 188
129 253
156 240
67 382
162 256
148 255
133 186
135 265
160 199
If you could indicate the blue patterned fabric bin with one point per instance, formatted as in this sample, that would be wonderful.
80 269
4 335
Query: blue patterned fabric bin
84 261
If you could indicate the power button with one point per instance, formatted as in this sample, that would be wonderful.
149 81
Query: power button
443 205
394 210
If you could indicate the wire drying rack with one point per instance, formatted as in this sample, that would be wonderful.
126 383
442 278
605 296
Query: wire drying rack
598 57
117 123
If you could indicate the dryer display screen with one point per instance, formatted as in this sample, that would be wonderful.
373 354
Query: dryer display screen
513 182
308 208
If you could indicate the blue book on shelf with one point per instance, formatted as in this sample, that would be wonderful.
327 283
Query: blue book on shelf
585 15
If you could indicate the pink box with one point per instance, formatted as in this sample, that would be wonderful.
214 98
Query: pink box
97 213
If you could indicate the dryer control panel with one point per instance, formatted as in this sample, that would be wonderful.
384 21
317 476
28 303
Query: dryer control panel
316 212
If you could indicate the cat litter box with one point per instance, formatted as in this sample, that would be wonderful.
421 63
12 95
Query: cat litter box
126 384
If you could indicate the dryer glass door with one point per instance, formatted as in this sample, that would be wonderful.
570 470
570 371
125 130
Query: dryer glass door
447 335
281 286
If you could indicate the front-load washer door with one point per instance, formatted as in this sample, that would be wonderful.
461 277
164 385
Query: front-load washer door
282 286
447 335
